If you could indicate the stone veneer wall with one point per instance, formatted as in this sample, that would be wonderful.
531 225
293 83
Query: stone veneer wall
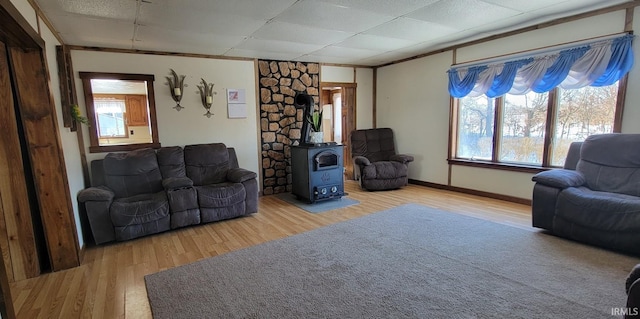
280 121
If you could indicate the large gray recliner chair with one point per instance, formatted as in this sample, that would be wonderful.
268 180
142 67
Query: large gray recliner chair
224 190
596 197
375 162
129 200
144 192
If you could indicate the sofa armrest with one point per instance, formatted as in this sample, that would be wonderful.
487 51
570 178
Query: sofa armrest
99 193
239 175
560 178
402 158
361 160
172 183
633 276
632 287
97 203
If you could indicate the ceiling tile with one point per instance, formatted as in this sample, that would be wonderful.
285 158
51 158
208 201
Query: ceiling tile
176 18
411 29
277 46
261 54
276 30
387 7
96 31
330 16
462 14
261 10
329 59
571 7
113 9
374 42
178 41
164 46
524 5
345 52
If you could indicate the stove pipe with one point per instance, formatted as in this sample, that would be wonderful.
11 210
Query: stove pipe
305 102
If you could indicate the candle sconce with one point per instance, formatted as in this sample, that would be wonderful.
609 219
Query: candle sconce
206 96
176 87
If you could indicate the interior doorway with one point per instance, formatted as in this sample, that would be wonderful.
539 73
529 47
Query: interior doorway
34 186
338 105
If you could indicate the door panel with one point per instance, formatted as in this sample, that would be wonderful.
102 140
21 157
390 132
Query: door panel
45 153
348 125
347 116
17 241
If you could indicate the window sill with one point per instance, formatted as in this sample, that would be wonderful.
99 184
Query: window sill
523 168
118 148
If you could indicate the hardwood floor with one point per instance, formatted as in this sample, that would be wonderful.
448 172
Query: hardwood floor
109 283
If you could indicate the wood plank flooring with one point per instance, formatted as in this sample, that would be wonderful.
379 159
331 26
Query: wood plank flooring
109 283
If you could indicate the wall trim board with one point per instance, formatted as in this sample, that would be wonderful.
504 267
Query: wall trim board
195 55
507 198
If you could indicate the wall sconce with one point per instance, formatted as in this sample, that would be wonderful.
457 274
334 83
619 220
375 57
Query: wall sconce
206 95
176 87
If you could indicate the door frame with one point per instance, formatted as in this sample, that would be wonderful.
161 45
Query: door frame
348 100
30 84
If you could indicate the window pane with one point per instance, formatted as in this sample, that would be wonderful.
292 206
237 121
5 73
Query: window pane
475 127
110 117
582 112
523 128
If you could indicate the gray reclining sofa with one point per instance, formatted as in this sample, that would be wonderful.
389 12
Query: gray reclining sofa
145 191
595 199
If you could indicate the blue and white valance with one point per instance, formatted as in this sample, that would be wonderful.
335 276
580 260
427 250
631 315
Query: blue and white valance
599 63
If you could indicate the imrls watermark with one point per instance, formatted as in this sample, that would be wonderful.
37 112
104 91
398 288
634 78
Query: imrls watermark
622 311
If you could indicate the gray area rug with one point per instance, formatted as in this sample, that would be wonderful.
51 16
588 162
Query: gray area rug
318 207
411 261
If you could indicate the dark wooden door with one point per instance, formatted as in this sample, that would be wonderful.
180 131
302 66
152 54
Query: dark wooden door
17 240
39 124
36 124
348 125
347 117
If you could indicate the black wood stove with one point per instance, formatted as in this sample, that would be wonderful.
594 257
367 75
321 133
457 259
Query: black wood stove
317 171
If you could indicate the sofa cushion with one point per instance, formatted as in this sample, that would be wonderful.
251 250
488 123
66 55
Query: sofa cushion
599 210
384 170
206 163
606 168
171 162
139 209
220 195
374 144
132 173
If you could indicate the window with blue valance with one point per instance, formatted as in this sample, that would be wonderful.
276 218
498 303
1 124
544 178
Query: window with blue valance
599 63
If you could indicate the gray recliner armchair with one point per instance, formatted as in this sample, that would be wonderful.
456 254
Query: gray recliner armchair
129 200
596 197
224 190
375 162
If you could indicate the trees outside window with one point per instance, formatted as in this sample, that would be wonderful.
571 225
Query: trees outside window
534 129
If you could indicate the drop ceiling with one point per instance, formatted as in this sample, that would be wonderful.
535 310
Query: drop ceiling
356 32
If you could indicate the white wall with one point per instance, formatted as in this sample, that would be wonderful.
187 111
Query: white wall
631 115
363 77
187 126
412 98
68 139
27 12
329 73
364 98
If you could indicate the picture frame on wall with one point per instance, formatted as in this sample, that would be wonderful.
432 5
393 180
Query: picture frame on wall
236 103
